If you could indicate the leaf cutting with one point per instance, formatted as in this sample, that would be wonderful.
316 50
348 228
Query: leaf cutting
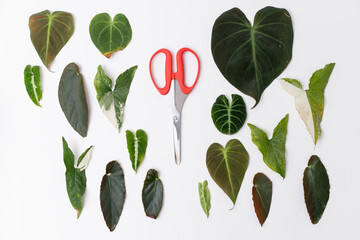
32 83
262 193
137 147
204 194
152 194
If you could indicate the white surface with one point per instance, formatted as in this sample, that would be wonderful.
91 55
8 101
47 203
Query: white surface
34 203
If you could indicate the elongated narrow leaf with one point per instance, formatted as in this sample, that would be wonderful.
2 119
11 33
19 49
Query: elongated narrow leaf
136 147
204 195
273 150
316 188
152 194
49 33
229 117
84 159
32 83
228 166
310 103
110 36
72 99
112 194
262 193
249 56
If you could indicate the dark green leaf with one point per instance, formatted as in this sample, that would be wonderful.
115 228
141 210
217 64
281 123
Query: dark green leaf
204 195
262 193
72 99
251 57
152 194
136 147
32 83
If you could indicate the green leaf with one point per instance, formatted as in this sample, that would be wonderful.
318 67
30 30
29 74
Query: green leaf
49 33
251 57
262 193
310 103
110 36
204 195
113 102
32 83
72 99
84 158
273 150
112 194
69 159
228 166
316 188
136 147
152 194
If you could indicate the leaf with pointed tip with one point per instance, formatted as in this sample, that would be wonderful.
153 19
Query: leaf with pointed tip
204 195
136 147
152 194
84 159
32 83
262 193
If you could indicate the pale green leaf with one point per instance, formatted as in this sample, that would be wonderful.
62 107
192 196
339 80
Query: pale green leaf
32 83
204 195
137 147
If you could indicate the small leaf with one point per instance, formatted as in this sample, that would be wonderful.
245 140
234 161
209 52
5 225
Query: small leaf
273 150
152 194
112 194
72 99
136 147
228 166
204 195
69 159
316 188
84 159
32 83
262 193
110 36
228 118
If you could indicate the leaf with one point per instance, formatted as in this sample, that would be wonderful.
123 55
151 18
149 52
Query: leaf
110 36
228 118
228 166
310 103
49 33
112 194
84 159
72 99
136 147
316 188
113 102
262 193
251 57
32 83
152 194
273 150
204 195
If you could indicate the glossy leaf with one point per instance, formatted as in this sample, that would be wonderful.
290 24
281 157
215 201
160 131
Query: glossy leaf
72 99
110 36
152 194
251 57
112 194
228 166
49 33
316 188
310 103
32 83
273 150
204 195
262 193
229 117
136 147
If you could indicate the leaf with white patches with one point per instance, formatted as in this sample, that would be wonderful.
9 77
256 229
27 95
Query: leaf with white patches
84 159
32 83
137 147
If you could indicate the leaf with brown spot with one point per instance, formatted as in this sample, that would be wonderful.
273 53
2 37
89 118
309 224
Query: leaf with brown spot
262 193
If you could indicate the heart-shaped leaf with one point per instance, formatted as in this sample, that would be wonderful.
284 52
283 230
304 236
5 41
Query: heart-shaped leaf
251 57
228 166
316 188
136 147
262 193
32 83
49 33
112 194
152 194
204 195
110 36
72 99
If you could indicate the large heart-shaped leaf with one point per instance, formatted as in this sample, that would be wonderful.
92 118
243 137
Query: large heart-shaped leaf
251 57
32 83
228 117
72 99
228 166
49 33
262 193
136 147
316 188
110 36
204 194
152 194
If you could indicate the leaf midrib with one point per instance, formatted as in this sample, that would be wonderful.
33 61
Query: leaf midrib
48 39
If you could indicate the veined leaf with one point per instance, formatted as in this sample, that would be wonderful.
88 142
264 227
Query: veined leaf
228 117
136 147
49 33
310 103
110 36
152 194
32 83
273 150
262 193
228 166
204 195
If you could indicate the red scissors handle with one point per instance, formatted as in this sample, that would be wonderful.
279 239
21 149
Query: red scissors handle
170 75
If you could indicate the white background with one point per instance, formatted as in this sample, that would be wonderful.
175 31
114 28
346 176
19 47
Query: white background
33 198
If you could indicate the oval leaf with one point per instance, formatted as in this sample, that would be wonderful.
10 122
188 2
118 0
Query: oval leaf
251 57
110 36
204 195
316 188
262 193
32 83
152 194
49 33
112 194
228 166
228 117
136 147
72 99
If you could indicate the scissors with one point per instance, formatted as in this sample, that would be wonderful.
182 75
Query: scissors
179 90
